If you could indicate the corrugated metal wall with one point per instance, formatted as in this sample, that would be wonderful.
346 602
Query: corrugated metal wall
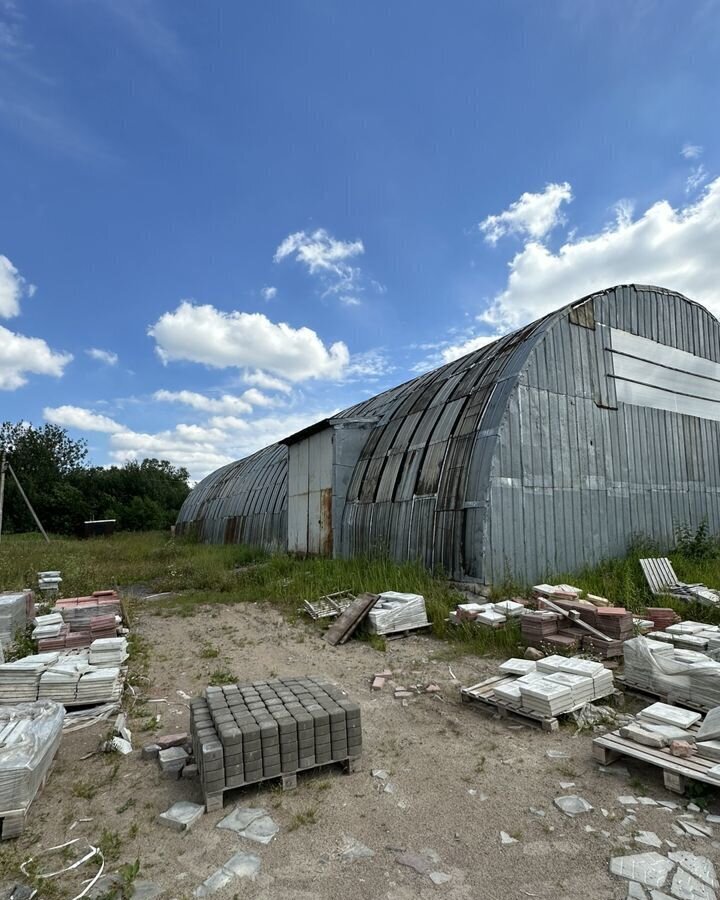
243 503
579 473
518 459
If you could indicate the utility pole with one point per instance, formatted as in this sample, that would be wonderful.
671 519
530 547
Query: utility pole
5 466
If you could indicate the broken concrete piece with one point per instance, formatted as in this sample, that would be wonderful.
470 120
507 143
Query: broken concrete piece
401 693
378 683
355 850
640 736
381 774
699 866
649 869
627 800
439 877
181 816
172 740
647 838
556 754
636 891
566 785
416 861
506 839
241 865
433 689
253 824
386 674
533 653
628 821
172 759
682 749
150 751
686 887
572 805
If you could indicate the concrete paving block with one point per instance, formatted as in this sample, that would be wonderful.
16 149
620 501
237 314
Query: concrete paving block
241 865
171 740
172 759
181 816
150 751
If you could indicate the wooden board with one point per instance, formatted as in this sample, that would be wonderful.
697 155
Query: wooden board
628 685
288 782
676 772
346 623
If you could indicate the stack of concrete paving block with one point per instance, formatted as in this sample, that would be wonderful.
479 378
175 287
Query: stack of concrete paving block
15 607
244 733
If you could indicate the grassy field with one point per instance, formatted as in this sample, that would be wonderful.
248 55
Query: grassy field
200 575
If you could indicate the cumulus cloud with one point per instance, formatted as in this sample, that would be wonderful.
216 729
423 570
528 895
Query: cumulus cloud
21 356
691 151
225 404
13 287
81 419
204 334
103 356
325 256
455 351
371 364
533 215
269 293
676 247
261 379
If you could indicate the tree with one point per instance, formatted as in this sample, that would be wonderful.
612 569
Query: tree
41 458
65 491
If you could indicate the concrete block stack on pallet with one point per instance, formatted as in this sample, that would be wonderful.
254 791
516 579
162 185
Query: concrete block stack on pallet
245 733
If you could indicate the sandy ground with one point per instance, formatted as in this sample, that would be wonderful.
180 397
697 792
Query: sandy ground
459 778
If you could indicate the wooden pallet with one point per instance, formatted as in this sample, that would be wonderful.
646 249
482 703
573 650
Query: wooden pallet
629 685
13 822
676 772
483 695
404 632
287 782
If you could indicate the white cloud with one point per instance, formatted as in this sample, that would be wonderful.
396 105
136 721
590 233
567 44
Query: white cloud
691 151
350 301
676 248
455 351
207 335
103 356
263 380
371 364
269 293
13 287
81 419
319 251
225 404
534 215
325 256
697 177
21 356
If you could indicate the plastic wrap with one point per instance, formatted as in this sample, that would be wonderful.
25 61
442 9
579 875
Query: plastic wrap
397 612
672 673
29 738
13 615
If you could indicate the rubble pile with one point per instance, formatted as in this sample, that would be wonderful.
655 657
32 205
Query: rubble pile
244 733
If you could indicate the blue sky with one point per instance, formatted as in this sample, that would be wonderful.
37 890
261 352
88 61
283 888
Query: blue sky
261 212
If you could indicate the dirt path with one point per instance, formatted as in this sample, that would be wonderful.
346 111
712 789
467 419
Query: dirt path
457 779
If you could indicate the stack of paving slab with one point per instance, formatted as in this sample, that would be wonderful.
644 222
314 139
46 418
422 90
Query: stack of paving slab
684 676
110 651
48 626
49 582
397 612
662 616
488 615
554 685
15 609
29 738
245 733
66 677
691 636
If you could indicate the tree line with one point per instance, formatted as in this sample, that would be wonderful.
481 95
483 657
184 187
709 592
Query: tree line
66 491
